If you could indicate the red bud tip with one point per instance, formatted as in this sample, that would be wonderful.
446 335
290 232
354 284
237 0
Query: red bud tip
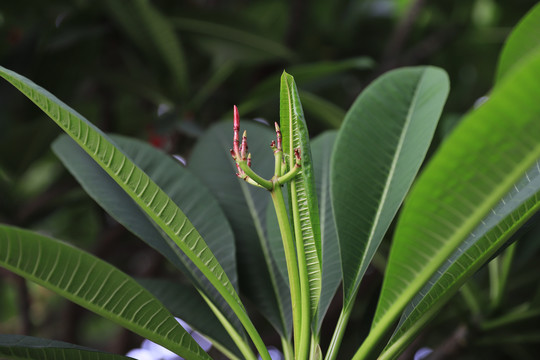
236 129
249 160
244 146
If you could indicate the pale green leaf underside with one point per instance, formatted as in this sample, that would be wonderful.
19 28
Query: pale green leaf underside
523 41
155 203
478 164
295 136
180 185
17 347
377 154
95 285
511 212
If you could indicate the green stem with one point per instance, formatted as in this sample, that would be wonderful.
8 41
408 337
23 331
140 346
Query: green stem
339 331
290 258
302 352
235 336
287 349
267 184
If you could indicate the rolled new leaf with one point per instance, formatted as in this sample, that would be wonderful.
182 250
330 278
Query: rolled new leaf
302 187
96 285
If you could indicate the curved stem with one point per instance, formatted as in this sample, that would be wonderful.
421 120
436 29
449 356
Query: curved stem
302 352
287 349
235 336
267 184
290 258
339 331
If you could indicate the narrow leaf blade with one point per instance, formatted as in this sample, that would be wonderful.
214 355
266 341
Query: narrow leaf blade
95 285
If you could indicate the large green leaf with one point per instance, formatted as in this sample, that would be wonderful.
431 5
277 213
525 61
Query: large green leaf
505 218
154 202
523 41
245 207
322 147
489 152
377 154
302 191
95 285
17 347
180 185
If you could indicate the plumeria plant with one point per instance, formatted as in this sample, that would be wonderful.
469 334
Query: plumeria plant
333 199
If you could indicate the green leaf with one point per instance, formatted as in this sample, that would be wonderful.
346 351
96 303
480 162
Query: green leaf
180 185
378 152
479 163
95 285
504 219
152 200
245 207
295 136
19 347
322 147
522 42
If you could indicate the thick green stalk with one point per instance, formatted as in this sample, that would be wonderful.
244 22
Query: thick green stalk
290 258
339 331
302 352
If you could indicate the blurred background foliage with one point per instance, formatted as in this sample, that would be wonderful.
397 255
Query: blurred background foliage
165 70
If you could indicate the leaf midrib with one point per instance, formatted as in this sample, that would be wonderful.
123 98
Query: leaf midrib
404 133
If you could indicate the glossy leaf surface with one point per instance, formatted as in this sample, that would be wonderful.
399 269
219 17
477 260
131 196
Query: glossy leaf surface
489 152
95 285
378 152
505 218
